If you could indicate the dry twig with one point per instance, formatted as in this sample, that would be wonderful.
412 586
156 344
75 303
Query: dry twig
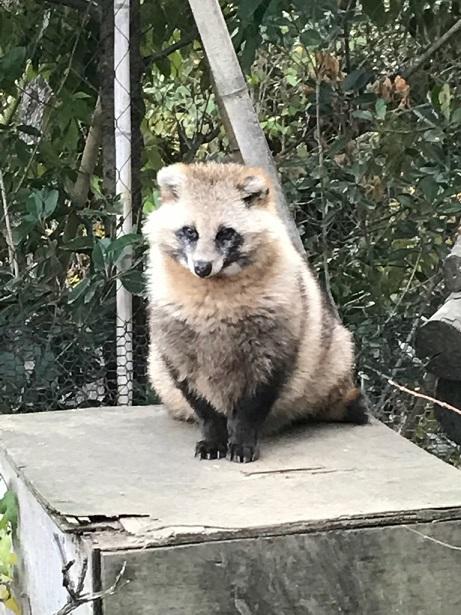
164 53
76 597
318 136
433 400
456 27
405 389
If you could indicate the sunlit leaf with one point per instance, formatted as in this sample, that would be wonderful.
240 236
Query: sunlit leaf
78 290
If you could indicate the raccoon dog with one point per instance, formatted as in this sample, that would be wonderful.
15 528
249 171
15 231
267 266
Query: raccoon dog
241 336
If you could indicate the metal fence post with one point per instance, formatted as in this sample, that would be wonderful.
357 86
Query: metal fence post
122 116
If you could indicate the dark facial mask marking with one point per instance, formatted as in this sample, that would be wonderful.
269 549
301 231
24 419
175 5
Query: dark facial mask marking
187 235
228 242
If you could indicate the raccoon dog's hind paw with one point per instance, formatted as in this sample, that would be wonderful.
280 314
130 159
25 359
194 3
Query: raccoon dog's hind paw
357 408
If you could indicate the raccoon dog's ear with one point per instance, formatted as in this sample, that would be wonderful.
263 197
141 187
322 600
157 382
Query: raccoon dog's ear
254 187
170 179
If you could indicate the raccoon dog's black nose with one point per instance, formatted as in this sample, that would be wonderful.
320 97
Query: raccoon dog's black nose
202 268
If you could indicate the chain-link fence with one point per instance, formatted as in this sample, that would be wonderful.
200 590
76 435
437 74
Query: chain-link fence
93 102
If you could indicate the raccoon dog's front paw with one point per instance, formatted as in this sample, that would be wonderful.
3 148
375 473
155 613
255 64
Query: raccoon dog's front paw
242 453
208 449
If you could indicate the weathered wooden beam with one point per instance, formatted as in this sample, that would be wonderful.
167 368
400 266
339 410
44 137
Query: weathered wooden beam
239 116
438 340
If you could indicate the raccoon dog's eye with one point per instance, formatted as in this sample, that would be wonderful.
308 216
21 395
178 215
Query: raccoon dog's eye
226 233
189 233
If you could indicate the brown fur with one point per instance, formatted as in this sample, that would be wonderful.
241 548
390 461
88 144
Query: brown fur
225 333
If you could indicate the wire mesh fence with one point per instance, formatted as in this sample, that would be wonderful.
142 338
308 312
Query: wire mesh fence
98 101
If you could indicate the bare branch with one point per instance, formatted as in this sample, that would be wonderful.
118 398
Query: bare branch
163 53
456 27
438 402
56 94
80 190
405 389
383 397
8 234
318 136
405 290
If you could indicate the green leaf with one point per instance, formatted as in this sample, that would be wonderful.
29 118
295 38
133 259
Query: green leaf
12 66
79 244
449 208
456 117
291 79
21 231
380 108
77 95
78 290
9 508
151 203
117 246
34 205
376 11
134 282
311 38
50 201
357 79
46 368
252 42
429 187
98 256
315 10
93 289
362 115
247 8
434 136
11 367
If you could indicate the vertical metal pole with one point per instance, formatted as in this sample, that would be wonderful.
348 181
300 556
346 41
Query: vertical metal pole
122 117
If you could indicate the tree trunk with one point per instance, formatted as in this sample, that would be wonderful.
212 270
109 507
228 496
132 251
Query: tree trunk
438 341
449 391
240 118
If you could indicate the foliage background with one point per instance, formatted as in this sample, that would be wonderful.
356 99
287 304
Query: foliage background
367 142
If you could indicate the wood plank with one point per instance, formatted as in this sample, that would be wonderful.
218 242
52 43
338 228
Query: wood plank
126 462
380 571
